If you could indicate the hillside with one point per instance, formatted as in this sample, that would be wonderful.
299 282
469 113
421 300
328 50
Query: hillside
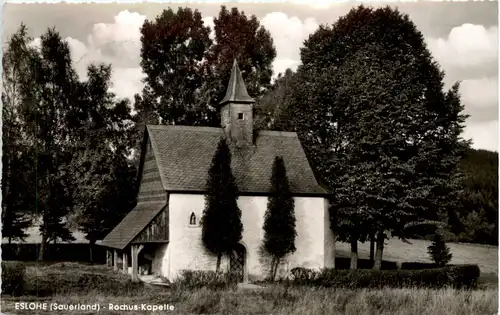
479 211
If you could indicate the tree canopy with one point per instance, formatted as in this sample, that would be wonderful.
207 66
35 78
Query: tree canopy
187 72
18 194
66 143
369 106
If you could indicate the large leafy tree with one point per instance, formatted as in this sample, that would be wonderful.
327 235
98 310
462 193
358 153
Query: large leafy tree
241 37
67 143
103 176
221 222
272 106
173 48
373 116
187 72
80 138
17 180
48 104
279 219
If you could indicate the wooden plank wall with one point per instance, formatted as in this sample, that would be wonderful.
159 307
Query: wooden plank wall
156 231
151 188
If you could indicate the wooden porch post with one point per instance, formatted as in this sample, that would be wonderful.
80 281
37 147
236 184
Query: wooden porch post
108 258
134 253
115 260
136 249
125 262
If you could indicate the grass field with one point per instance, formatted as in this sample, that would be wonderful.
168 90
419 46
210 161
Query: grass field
278 300
104 286
272 300
485 256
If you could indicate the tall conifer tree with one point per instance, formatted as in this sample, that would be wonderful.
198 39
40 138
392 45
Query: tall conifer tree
221 222
279 220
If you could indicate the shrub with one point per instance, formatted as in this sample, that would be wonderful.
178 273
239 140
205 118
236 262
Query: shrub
303 275
74 278
13 273
194 279
464 276
345 263
439 252
418 266
104 283
55 252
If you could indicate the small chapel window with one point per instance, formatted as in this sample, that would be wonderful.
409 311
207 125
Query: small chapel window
240 115
192 219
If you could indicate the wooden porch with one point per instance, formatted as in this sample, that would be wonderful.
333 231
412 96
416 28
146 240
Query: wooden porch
144 241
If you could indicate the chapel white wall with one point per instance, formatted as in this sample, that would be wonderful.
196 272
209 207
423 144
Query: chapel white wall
314 241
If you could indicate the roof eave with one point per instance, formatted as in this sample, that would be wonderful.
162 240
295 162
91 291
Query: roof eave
156 154
249 193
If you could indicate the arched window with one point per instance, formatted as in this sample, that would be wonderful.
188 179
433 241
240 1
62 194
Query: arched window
192 219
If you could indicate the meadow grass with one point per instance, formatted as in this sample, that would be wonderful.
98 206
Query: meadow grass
290 301
273 299
485 256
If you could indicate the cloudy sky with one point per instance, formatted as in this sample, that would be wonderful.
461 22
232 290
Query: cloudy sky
463 37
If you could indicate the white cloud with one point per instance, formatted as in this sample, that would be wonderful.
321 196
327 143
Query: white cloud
209 21
118 44
36 43
127 82
469 54
124 29
480 92
280 65
483 134
288 35
466 46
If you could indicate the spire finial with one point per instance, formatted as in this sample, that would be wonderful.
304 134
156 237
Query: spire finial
236 91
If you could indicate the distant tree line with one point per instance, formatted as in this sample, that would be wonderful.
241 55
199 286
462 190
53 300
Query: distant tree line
478 214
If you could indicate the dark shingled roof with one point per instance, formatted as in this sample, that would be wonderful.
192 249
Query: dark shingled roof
184 155
132 224
236 91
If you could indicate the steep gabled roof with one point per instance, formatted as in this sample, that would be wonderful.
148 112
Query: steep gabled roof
184 155
236 91
133 224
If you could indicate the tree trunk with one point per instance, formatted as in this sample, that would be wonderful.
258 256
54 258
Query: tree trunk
135 256
217 268
372 247
91 245
271 271
334 249
43 244
276 264
380 249
354 253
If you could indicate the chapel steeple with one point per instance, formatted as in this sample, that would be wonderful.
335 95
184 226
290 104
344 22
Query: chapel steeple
237 110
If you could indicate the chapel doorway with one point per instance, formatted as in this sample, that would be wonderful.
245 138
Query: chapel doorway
237 263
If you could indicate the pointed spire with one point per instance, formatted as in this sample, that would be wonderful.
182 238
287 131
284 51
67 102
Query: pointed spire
236 90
